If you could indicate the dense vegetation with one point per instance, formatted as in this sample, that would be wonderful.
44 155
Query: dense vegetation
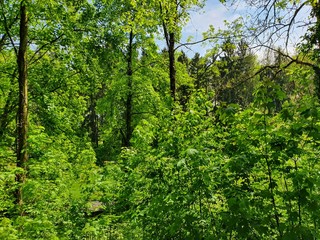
104 136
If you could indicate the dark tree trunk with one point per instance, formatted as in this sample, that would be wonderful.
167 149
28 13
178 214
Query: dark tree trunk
22 119
317 81
94 128
172 66
128 111
316 11
170 41
5 117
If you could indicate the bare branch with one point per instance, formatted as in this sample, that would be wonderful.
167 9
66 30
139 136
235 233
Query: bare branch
275 23
42 47
292 20
197 42
7 29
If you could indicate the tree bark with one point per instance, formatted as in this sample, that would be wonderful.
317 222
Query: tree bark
94 128
316 11
172 66
170 41
22 119
128 111
5 117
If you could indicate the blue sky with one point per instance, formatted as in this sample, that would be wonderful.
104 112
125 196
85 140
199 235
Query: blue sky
215 13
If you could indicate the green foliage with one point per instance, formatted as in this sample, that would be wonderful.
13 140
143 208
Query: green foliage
241 173
235 157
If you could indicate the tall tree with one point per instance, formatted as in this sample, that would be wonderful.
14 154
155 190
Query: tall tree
22 123
173 15
275 21
128 111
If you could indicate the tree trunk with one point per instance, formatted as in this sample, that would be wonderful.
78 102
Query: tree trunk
5 116
172 66
22 119
316 10
128 111
170 41
317 80
94 128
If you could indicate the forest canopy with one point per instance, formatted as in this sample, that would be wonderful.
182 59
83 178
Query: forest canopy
107 134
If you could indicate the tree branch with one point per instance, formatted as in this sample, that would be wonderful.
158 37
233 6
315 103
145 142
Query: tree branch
197 42
42 47
165 30
7 29
292 20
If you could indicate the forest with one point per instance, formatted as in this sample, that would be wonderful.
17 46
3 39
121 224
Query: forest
105 133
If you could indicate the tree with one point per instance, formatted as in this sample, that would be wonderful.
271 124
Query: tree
278 18
173 15
22 123
134 30
110 155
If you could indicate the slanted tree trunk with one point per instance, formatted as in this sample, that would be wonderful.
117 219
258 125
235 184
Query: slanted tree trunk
22 119
128 111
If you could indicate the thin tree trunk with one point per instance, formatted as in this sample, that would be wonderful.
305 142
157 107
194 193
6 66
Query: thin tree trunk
9 107
128 113
316 12
172 66
94 122
170 41
5 116
22 119
317 80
